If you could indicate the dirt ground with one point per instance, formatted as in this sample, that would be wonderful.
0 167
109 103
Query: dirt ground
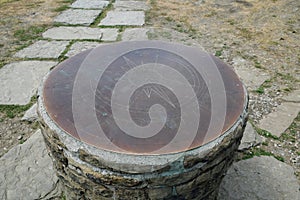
265 33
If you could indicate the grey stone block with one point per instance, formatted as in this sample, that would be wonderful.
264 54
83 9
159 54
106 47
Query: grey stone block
19 80
259 178
279 120
77 16
90 4
43 49
80 47
73 33
250 138
31 114
26 171
251 76
135 34
131 5
294 96
110 34
133 18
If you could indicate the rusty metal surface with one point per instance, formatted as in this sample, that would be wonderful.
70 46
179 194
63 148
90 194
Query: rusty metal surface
146 97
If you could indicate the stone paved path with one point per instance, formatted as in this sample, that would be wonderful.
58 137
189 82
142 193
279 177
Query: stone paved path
29 162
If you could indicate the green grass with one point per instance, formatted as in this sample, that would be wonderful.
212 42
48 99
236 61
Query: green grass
260 152
291 133
30 33
63 196
218 53
260 90
257 64
22 141
13 110
102 15
2 63
67 1
61 8
265 143
287 76
231 21
266 133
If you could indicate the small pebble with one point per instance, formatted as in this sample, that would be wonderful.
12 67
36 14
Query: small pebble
20 137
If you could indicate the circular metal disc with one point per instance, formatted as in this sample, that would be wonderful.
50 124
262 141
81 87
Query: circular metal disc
146 97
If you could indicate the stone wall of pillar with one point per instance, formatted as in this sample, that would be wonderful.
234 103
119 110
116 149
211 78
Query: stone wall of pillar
86 174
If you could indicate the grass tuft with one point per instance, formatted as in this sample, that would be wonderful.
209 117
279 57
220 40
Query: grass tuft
61 8
260 152
12 111
30 33
266 133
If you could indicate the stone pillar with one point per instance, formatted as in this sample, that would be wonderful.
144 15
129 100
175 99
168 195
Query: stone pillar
100 118
89 173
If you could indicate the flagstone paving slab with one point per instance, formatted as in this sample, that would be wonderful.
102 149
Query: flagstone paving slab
128 18
77 16
131 5
73 33
43 49
250 138
135 34
26 171
252 77
109 34
78 47
31 114
20 80
279 120
89 4
294 96
259 178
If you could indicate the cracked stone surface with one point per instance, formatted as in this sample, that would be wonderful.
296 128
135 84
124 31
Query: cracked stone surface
73 33
43 49
250 138
131 5
19 80
279 120
31 114
133 18
245 180
252 77
135 34
26 171
90 4
78 47
77 16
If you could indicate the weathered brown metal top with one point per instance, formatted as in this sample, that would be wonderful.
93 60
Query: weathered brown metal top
146 97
